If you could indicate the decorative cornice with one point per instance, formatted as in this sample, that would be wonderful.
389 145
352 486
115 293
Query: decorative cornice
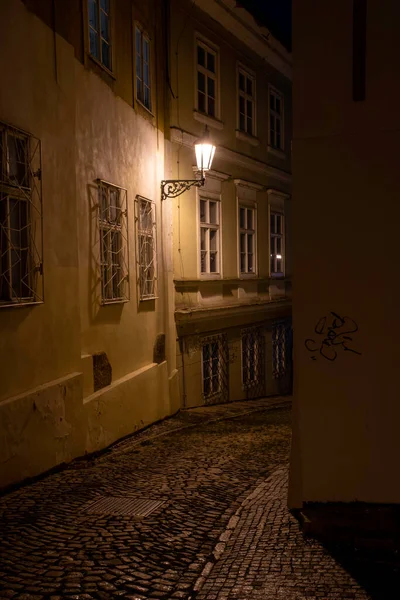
249 184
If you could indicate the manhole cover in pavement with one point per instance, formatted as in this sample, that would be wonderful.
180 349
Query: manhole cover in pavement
135 507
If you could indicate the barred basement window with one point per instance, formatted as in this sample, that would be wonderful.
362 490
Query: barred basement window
214 362
279 339
146 255
21 263
252 357
113 226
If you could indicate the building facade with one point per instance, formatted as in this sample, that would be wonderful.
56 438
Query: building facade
86 326
346 94
231 246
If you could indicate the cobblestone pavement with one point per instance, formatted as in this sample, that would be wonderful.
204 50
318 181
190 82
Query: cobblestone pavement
222 532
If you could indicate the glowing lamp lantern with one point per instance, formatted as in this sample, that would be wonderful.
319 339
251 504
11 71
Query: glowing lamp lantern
205 151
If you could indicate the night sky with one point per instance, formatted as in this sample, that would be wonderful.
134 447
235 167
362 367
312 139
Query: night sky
276 15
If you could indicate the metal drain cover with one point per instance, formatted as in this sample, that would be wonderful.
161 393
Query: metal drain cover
134 507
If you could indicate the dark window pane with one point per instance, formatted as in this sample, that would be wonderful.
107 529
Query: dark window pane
249 125
241 104
104 26
93 44
213 262
249 219
278 224
211 62
278 141
201 102
211 87
241 82
272 223
203 265
105 5
278 105
93 14
243 242
211 107
138 42
242 217
272 264
201 56
242 122
278 265
272 123
202 211
279 245
249 243
249 108
106 55
147 97
139 89
201 82
250 268
249 87
278 125
242 263
272 102
146 50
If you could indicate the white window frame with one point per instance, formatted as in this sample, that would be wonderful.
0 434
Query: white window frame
99 50
144 38
208 227
21 225
276 239
113 226
208 47
275 116
246 232
146 237
247 74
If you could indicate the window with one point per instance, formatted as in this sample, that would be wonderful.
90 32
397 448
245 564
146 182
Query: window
113 226
146 239
209 236
276 243
100 31
206 79
142 68
247 240
21 267
252 357
246 105
279 339
275 119
211 368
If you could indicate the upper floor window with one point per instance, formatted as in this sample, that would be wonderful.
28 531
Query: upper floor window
21 267
143 83
207 82
209 236
246 103
247 240
113 226
100 31
275 119
276 243
146 240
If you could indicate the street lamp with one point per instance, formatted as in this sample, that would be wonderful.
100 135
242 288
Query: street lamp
204 148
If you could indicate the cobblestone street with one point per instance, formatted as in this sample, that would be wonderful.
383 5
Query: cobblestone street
220 529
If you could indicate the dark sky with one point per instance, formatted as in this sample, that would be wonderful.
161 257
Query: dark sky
274 14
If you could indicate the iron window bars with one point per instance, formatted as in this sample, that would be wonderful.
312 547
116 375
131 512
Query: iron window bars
215 364
253 361
146 254
113 228
21 225
279 349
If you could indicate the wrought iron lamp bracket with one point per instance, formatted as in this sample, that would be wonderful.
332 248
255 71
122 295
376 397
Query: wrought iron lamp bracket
171 188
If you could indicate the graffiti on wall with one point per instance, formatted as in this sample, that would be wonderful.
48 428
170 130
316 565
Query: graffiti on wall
333 335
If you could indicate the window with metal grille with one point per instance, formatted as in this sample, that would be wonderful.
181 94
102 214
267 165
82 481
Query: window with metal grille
209 236
143 83
100 31
247 240
246 104
113 227
206 79
146 240
21 263
276 232
275 119
279 344
252 357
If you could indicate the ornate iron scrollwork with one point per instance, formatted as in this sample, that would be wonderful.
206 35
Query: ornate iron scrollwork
171 188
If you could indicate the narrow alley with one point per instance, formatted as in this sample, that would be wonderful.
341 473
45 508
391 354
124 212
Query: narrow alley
212 482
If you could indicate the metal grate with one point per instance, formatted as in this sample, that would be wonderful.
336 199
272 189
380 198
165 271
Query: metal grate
21 263
281 348
146 252
133 507
215 373
253 362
